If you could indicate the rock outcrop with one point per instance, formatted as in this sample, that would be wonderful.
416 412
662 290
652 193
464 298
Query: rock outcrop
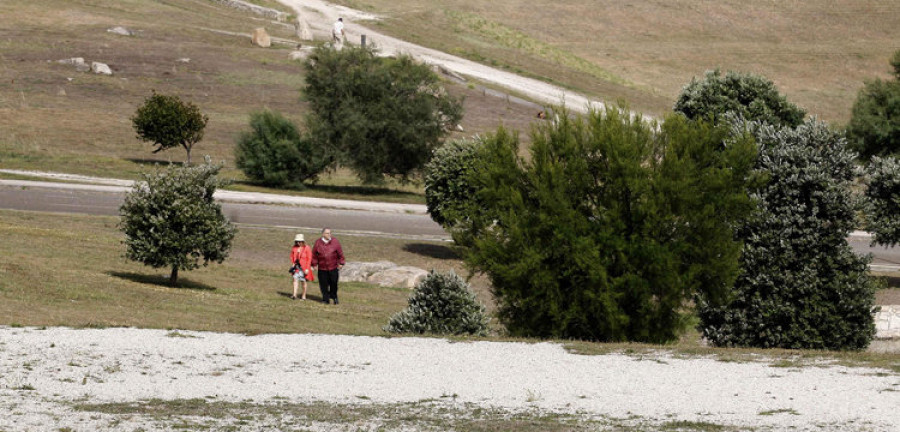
383 273
100 68
261 38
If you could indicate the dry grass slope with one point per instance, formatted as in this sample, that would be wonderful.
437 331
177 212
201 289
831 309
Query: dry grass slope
54 118
643 51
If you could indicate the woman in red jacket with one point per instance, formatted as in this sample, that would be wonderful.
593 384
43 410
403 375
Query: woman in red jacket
328 256
301 256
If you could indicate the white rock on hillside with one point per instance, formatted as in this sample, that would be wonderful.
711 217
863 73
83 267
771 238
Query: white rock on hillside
261 38
100 68
360 271
120 31
403 277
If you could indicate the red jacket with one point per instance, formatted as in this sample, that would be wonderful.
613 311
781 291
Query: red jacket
327 256
302 255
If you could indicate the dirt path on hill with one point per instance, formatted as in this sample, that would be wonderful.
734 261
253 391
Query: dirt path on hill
320 16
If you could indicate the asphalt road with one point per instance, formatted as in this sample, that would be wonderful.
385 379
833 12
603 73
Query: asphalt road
348 221
93 202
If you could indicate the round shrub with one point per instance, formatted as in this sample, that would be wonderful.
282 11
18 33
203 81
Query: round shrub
448 191
753 97
441 304
274 153
801 285
883 200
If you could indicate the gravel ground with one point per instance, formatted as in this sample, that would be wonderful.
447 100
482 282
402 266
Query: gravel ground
42 371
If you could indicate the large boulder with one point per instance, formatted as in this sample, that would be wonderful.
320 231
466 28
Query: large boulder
360 271
402 276
887 322
100 68
261 38
300 54
303 31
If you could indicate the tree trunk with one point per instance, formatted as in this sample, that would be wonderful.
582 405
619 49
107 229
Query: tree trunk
173 280
188 148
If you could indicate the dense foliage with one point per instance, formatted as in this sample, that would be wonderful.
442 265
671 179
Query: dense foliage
379 116
167 122
448 193
274 153
441 304
883 200
801 285
874 128
750 96
612 224
171 220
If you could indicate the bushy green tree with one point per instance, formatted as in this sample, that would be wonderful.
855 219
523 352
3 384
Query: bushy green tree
874 128
611 226
379 116
442 303
274 153
448 192
167 122
171 219
751 96
801 285
883 200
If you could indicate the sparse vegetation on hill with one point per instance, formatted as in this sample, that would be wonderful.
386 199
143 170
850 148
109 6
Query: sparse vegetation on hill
818 53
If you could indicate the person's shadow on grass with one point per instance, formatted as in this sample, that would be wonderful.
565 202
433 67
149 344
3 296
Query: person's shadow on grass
309 297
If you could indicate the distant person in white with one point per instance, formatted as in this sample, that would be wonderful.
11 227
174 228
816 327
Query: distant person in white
338 32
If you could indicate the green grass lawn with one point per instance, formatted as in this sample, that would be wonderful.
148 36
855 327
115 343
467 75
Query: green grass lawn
69 270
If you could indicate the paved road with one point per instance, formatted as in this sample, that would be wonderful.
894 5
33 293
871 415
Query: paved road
395 221
107 201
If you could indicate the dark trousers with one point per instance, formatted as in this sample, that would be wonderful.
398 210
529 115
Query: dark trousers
328 283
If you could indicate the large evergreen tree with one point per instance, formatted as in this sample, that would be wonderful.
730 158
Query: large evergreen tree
611 225
801 285
379 116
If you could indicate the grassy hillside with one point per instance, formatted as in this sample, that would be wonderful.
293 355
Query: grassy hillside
55 118
818 52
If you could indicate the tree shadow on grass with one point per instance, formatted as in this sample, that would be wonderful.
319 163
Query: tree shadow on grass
890 281
153 162
432 250
362 191
183 283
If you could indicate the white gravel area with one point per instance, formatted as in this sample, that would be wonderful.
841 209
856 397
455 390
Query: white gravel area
43 370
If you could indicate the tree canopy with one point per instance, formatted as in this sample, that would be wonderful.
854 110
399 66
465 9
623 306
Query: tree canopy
611 226
171 219
167 122
379 116
750 96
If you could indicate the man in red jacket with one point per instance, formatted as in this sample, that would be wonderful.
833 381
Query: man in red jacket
328 258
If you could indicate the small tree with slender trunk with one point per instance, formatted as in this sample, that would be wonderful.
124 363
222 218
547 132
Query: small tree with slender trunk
171 220
167 122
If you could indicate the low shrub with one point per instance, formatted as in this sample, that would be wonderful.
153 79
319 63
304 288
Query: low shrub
274 153
882 200
442 303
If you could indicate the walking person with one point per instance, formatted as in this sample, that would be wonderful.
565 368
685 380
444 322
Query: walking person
328 258
301 258
337 32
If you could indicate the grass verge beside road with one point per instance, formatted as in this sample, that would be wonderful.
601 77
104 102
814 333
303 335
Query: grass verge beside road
69 270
